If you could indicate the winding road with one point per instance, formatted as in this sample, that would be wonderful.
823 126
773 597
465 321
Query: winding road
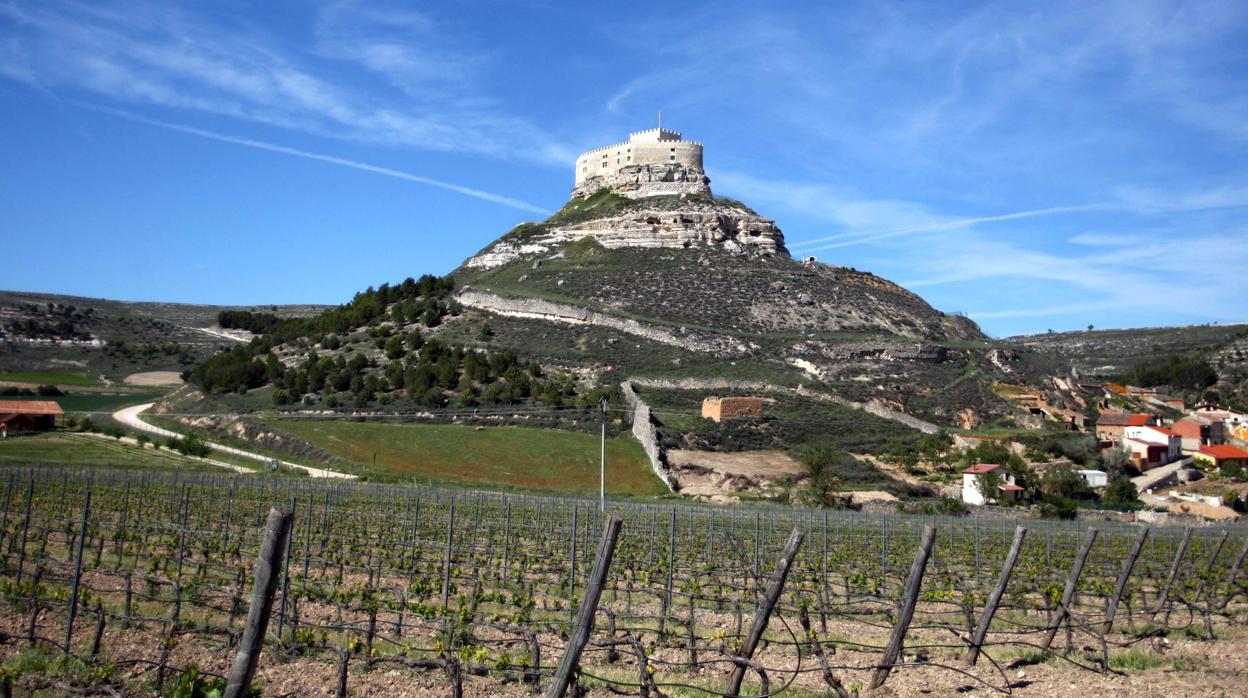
129 416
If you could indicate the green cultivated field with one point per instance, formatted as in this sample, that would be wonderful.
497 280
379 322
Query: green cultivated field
79 449
49 378
525 458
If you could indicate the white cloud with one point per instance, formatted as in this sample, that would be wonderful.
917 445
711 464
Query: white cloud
153 55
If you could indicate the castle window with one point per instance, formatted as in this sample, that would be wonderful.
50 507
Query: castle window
673 150
673 157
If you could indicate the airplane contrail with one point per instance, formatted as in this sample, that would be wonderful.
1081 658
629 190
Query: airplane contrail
296 152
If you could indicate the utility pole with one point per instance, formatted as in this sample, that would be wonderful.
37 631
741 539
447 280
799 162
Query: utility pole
602 462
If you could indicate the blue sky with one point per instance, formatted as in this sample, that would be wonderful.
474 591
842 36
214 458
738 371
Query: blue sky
1035 166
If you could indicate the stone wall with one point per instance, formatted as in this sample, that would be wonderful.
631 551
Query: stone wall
536 309
647 435
725 384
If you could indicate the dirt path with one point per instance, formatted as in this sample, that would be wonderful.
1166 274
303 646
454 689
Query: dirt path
129 416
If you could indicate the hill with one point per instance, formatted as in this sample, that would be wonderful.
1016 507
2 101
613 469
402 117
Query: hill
1197 361
94 337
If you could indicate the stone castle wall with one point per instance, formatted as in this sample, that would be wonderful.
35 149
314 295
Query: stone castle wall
650 163
607 161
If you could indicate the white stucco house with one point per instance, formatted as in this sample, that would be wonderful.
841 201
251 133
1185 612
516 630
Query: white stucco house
1151 446
971 493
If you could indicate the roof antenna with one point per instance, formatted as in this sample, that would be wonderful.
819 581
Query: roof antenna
660 121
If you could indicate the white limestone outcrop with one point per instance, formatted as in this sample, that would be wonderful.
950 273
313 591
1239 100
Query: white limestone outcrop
694 224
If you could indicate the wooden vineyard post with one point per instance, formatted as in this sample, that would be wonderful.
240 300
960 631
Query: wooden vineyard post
671 562
1121 587
906 608
1213 559
268 564
1063 610
21 554
994 599
446 570
1174 573
285 583
763 616
1230 581
572 565
73 594
584 622
506 540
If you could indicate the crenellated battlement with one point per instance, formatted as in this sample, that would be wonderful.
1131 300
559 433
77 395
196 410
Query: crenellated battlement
627 143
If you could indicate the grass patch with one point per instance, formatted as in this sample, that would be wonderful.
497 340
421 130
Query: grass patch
1134 660
520 457
1187 662
48 378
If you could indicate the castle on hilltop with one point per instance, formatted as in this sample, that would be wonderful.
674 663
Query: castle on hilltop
654 162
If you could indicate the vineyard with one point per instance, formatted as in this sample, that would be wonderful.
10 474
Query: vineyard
124 582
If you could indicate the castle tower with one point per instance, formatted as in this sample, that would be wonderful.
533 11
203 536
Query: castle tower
654 162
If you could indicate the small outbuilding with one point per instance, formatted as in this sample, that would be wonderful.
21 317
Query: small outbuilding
718 409
1094 478
28 416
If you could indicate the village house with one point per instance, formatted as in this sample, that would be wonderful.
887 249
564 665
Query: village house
1110 425
1222 455
1235 424
1151 446
971 481
28 416
1198 431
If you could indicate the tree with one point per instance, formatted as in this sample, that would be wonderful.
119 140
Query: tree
394 348
820 463
1121 493
989 484
1063 481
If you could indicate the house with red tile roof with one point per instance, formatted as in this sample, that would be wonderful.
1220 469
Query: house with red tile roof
1222 455
972 491
28 416
1151 445
1109 425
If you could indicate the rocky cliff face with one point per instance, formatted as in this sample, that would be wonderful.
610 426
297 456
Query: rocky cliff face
682 224
639 181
